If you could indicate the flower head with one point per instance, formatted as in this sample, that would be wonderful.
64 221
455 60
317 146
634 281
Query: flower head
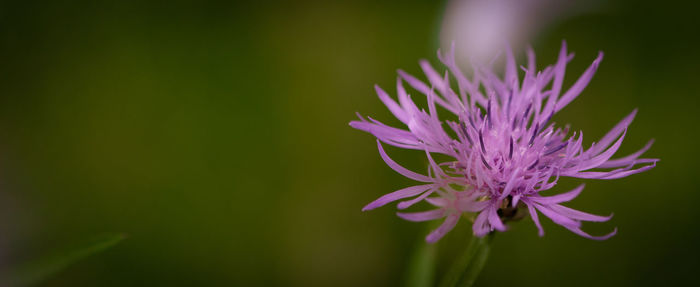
503 148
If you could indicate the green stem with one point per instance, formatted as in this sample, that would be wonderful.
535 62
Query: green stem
421 267
467 267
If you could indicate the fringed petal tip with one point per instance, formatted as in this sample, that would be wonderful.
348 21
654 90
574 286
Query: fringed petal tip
599 58
586 235
444 228
400 169
562 197
610 216
611 234
404 204
356 125
431 239
422 216
399 194
373 205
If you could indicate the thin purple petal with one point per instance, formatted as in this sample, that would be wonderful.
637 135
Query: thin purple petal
399 194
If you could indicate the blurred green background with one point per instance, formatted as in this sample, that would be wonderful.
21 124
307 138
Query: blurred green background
215 135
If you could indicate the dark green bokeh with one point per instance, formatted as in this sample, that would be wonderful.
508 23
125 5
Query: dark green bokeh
216 136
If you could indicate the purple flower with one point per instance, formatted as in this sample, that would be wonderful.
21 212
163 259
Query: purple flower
502 147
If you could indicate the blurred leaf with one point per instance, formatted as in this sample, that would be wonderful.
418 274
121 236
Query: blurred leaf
37 271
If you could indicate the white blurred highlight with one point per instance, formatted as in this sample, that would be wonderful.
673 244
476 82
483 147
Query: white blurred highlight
481 28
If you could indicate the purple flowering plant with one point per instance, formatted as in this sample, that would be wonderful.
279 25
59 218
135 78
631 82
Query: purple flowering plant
504 150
